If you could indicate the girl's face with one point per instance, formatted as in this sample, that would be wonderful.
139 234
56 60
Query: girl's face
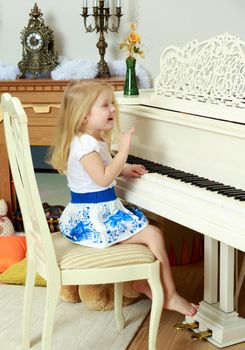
102 114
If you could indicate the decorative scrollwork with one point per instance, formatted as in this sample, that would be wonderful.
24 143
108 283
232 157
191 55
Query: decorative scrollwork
211 71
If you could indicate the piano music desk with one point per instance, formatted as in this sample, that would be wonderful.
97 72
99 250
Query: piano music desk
41 100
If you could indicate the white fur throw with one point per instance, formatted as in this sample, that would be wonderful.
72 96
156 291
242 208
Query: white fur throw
8 72
68 69
82 69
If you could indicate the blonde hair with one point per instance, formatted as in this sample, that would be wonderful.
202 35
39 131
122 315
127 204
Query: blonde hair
78 100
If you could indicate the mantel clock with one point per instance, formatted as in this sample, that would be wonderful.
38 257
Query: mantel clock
38 56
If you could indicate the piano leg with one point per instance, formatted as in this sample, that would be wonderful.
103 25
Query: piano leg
210 270
219 317
226 290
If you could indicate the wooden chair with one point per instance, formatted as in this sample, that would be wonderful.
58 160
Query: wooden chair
59 261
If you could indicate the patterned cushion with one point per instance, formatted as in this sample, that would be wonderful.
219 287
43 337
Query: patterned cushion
70 255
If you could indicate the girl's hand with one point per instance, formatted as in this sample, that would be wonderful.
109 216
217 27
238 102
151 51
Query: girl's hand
133 170
125 141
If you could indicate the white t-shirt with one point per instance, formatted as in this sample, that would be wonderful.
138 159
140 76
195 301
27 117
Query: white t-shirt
78 179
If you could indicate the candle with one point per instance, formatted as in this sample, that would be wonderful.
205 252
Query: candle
95 3
107 4
85 3
118 3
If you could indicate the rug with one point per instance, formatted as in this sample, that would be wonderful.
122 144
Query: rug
76 327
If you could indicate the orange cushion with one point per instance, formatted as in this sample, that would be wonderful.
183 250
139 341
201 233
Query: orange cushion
12 250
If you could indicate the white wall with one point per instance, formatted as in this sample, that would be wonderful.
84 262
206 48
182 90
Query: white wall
160 23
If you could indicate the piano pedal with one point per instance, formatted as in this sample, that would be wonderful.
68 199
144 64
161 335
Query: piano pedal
182 326
202 335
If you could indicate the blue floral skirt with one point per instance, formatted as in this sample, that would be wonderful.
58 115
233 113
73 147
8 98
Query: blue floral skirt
99 219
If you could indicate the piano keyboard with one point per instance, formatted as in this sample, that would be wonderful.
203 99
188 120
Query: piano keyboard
212 191
194 180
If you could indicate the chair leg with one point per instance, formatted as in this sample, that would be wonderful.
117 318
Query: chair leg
28 297
118 295
52 296
157 305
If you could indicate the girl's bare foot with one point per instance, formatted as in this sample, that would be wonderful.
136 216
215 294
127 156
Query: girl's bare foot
174 303
179 304
142 286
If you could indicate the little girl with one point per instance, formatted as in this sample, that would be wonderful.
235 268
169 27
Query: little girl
95 217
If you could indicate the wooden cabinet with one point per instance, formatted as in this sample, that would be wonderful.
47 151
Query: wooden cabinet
41 100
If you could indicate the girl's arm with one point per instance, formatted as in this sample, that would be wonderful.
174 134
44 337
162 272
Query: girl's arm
104 175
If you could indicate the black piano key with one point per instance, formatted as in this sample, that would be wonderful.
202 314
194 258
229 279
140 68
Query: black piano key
223 189
178 175
226 189
166 171
138 160
232 194
189 180
186 175
242 193
204 181
201 182
173 173
232 188
173 176
156 168
225 193
215 184
237 191
217 187
201 185
148 165
132 159
189 177
240 196
153 169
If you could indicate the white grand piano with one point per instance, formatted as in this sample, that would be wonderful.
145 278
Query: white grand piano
191 127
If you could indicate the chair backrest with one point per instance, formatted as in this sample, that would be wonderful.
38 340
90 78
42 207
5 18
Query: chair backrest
39 243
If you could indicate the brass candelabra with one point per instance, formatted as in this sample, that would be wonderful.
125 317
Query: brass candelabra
101 14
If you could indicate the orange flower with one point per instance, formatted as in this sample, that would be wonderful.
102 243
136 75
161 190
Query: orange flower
134 37
132 43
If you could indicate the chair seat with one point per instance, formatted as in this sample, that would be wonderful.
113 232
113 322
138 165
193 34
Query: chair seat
73 256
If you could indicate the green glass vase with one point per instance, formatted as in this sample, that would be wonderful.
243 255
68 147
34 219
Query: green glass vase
130 84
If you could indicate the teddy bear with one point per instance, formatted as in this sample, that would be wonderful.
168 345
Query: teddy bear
6 226
99 297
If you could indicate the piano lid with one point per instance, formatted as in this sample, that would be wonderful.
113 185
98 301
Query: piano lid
202 78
